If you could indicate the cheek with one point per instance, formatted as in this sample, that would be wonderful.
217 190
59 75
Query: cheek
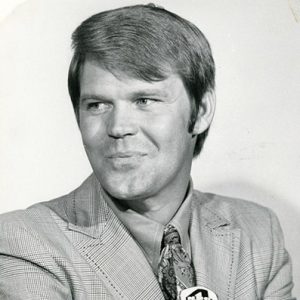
92 132
172 129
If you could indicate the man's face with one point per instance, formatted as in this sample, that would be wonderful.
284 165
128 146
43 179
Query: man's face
135 132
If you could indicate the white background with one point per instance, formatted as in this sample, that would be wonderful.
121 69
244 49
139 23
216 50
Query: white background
253 150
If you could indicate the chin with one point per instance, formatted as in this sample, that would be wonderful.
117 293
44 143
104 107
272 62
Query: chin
127 194
127 189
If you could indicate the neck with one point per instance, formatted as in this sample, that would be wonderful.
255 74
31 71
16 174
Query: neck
160 208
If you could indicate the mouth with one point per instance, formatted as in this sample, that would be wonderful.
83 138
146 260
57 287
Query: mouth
127 154
126 160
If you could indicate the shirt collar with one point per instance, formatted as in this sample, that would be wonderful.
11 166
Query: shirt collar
148 233
181 220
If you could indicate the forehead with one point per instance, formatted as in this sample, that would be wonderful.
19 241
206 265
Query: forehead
95 79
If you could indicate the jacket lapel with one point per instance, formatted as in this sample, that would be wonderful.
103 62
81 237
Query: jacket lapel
112 252
215 250
108 247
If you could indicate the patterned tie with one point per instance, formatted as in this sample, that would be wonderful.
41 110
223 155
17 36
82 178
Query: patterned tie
175 272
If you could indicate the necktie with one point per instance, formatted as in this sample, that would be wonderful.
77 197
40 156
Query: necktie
175 272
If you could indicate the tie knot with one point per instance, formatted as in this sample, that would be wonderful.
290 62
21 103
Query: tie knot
171 235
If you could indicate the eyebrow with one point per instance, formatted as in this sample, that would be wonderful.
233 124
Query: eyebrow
85 97
135 94
149 92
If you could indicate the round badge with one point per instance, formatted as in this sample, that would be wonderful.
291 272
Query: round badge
198 293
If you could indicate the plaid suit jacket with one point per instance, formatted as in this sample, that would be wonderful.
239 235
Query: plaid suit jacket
74 247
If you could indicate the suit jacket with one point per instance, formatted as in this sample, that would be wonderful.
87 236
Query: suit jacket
74 247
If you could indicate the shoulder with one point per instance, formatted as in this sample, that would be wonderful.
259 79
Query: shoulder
34 248
259 235
23 233
229 207
36 214
42 214
255 226
253 219
42 221
29 225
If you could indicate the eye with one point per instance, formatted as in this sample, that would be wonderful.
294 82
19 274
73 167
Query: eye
145 101
98 107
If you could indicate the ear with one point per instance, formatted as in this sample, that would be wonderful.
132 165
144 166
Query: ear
205 113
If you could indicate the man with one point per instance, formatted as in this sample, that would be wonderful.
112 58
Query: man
142 86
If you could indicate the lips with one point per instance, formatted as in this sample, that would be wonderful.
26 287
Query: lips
126 154
125 161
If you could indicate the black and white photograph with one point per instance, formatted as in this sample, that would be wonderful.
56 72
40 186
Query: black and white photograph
149 150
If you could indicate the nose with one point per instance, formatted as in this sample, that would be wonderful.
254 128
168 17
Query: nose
121 122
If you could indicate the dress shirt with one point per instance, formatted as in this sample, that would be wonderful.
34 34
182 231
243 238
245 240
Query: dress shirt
148 233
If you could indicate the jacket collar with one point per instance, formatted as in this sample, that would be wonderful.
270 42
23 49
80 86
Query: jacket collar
215 253
87 211
108 247
214 243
